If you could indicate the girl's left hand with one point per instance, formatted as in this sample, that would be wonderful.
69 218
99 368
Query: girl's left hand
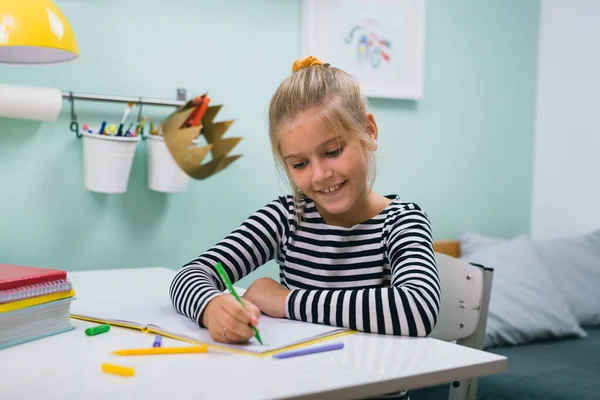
269 296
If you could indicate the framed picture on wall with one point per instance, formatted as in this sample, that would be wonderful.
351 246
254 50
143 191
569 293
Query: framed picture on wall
381 42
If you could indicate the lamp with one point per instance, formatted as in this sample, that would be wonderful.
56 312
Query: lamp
35 32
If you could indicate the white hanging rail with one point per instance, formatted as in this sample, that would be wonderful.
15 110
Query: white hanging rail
118 99
122 99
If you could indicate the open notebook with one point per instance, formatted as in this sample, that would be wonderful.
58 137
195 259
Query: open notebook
152 311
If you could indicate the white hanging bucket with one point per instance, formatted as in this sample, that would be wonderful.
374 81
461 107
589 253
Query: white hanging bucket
164 175
107 162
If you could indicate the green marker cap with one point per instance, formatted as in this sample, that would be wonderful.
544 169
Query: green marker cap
97 330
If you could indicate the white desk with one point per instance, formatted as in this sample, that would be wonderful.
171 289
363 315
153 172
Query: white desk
67 366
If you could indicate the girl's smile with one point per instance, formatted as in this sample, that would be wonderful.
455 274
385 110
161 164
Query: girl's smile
332 189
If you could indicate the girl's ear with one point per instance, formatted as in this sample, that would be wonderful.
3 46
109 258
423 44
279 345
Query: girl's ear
372 131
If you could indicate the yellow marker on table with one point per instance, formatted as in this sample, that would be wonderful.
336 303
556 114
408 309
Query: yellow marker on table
161 350
117 370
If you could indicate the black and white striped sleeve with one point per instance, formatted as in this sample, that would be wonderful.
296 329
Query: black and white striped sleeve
251 245
409 307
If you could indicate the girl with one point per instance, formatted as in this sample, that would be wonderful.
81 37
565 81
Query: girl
347 256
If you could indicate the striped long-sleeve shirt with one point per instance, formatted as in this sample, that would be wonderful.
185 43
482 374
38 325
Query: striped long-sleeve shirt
377 276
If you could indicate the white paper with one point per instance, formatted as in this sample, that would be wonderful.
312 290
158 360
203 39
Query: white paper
30 102
157 312
139 297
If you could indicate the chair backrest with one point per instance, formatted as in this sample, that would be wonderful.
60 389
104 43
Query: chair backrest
465 297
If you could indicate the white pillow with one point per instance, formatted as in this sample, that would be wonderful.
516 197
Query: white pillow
573 263
471 242
525 303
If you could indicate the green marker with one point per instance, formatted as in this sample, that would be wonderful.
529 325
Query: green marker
225 279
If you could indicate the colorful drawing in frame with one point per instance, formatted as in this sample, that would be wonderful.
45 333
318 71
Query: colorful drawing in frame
381 42
371 47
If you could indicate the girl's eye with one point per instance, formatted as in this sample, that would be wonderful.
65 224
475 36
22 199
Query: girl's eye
335 152
299 165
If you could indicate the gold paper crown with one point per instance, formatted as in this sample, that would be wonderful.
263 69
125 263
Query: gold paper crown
189 157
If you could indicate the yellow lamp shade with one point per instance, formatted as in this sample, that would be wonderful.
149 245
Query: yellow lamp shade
35 32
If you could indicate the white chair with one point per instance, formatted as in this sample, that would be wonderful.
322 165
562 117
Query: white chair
465 301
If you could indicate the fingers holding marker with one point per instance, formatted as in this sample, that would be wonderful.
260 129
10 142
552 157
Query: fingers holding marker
253 311
241 330
236 310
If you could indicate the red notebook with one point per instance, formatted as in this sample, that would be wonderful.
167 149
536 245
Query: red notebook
14 276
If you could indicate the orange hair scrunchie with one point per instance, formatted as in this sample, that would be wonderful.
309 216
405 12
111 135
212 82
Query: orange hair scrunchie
305 63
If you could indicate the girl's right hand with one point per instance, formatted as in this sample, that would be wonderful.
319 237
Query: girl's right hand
227 321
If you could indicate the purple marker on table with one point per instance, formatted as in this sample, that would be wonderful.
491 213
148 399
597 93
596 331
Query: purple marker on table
157 341
310 350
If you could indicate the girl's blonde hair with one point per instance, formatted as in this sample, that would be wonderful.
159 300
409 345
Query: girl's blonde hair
337 97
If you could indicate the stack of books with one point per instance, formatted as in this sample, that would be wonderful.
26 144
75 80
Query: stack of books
34 303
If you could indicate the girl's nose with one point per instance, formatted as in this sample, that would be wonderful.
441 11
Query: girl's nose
321 172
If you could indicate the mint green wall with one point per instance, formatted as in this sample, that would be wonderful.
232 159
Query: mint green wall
464 152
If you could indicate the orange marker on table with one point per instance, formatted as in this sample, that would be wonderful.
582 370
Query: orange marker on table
117 370
161 350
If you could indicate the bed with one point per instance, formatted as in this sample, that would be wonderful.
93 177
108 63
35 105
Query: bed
549 368
552 370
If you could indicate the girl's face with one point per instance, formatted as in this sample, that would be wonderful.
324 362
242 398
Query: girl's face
327 168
